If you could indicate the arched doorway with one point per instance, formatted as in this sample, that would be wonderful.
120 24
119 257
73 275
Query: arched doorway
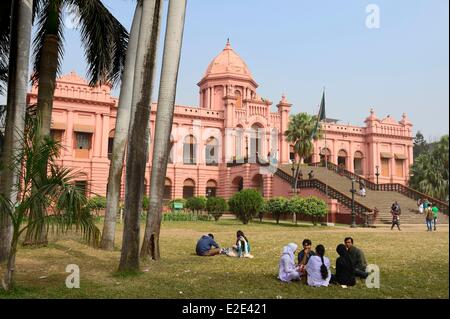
256 139
212 152
358 163
342 159
211 188
188 188
238 184
257 183
325 155
190 150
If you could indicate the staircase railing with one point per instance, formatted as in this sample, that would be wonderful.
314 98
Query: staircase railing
390 187
366 213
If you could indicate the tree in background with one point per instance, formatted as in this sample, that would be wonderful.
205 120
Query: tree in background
196 204
246 204
57 202
430 171
277 206
313 207
216 206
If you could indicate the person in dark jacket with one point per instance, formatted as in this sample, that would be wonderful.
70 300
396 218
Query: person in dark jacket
357 257
206 246
344 268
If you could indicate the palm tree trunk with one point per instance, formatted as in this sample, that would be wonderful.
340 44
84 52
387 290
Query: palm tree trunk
139 132
121 135
163 129
21 21
48 68
8 279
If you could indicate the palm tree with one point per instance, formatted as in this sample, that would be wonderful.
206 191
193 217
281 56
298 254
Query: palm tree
121 134
300 130
430 171
55 202
15 44
104 39
138 138
164 120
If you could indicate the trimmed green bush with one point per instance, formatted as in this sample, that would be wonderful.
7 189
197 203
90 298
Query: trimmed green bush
314 207
183 217
246 204
216 206
277 206
196 204
295 205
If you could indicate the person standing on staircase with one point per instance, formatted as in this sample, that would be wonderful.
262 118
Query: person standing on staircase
395 211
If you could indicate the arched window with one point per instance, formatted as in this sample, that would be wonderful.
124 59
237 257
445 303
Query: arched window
212 152
211 188
167 190
325 154
190 150
238 183
188 188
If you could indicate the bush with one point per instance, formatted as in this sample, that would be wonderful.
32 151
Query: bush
277 206
295 205
246 204
314 207
196 203
216 206
96 204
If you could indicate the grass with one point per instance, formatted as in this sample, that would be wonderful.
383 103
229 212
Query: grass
413 264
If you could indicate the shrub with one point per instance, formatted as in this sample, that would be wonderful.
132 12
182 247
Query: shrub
216 206
183 217
196 203
246 204
314 207
295 205
277 206
97 203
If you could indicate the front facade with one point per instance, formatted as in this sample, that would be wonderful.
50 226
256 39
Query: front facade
232 124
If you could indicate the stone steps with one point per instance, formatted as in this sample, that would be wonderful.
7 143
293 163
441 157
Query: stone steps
382 200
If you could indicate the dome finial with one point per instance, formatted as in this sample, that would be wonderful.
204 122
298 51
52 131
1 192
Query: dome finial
228 46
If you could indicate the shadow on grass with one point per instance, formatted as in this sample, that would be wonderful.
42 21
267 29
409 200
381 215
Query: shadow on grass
127 274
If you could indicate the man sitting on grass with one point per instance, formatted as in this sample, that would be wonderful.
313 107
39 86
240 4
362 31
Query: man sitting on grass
357 257
206 246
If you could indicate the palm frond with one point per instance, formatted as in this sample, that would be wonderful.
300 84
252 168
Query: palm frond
5 26
105 41
49 22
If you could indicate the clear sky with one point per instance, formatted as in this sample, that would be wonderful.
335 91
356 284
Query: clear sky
300 46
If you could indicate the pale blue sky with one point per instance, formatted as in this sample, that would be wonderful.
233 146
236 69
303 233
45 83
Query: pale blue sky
299 46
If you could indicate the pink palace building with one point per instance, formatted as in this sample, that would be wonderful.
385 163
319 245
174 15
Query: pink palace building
210 142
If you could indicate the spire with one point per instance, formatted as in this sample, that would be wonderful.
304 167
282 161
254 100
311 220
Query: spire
228 45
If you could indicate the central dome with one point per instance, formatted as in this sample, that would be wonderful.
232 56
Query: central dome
228 62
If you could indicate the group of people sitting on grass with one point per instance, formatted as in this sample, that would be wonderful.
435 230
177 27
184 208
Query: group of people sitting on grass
206 246
313 268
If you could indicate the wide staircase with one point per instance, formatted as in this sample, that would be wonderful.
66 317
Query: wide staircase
338 181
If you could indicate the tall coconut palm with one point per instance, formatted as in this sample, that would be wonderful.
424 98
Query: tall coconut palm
164 120
18 51
300 130
139 131
104 39
121 135
55 193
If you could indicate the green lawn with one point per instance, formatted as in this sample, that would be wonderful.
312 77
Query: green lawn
413 264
